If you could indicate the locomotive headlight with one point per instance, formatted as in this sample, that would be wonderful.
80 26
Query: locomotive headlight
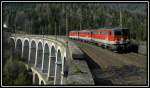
121 39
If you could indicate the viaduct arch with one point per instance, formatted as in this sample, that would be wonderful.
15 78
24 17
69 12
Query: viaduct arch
46 56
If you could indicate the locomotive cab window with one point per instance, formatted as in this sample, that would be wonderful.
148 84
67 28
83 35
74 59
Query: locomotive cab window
117 32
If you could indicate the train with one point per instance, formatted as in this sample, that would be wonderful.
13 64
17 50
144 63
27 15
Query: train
115 39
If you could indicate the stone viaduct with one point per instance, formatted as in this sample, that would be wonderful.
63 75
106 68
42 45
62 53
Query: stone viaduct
50 60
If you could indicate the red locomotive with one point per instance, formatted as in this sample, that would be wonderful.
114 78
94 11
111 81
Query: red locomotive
112 38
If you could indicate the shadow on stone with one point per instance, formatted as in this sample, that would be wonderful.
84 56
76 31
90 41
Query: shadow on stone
96 71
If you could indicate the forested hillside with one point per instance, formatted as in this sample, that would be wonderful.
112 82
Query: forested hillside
44 18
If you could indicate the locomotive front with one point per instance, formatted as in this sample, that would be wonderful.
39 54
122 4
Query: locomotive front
121 38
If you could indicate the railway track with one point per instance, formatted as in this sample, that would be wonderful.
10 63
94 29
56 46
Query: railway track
109 58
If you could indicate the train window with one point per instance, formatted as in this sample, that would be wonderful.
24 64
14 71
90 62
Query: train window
104 33
117 32
95 33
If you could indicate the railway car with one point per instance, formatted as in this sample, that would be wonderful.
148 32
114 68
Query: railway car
74 34
85 35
